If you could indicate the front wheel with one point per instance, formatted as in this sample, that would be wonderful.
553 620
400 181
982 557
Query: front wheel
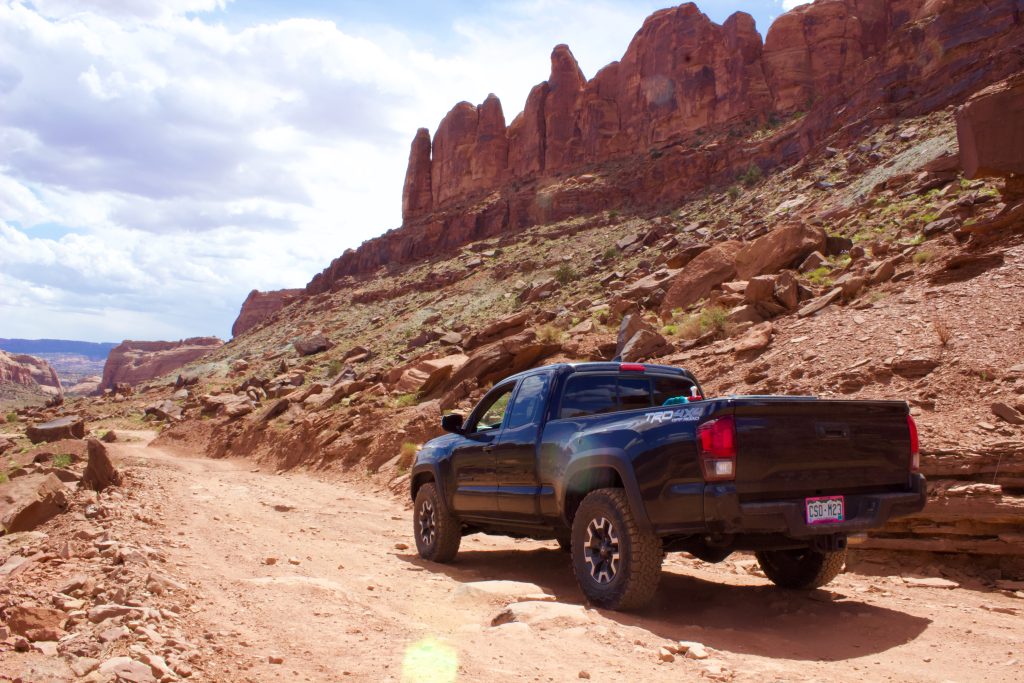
802 568
437 531
617 565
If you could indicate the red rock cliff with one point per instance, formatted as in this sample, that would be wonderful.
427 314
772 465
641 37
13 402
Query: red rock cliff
634 136
259 306
29 371
133 362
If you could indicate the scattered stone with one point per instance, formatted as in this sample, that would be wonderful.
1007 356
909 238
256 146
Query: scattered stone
543 614
294 561
165 410
1008 413
692 650
665 655
813 261
275 659
821 302
584 675
914 366
756 339
270 560
128 670
929 582
401 546
109 437
883 272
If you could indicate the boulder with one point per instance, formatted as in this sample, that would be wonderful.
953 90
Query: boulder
234 406
99 471
883 272
1008 413
914 367
686 254
504 327
989 130
781 248
110 436
69 427
502 358
747 313
787 290
165 410
851 284
755 340
760 289
425 376
705 272
36 623
630 325
813 261
821 302
643 345
30 500
307 346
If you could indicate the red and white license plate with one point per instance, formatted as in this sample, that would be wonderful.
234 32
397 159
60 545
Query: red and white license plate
826 509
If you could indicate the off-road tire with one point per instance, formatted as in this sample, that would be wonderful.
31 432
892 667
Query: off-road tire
632 580
801 569
437 531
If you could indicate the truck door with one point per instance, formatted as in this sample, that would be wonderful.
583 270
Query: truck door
519 489
473 461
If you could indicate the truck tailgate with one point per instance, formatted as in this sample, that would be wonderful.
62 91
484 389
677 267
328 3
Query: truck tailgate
798 447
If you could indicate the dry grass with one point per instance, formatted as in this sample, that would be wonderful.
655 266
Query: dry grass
942 332
406 454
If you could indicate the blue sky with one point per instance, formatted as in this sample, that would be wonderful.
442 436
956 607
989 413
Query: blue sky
160 158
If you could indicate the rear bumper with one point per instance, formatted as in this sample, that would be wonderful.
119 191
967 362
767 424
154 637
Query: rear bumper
726 514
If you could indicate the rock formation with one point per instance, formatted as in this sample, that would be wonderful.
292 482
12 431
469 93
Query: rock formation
990 127
674 115
133 362
259 306
29 371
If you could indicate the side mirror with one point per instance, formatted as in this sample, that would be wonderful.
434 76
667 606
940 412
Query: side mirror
452 423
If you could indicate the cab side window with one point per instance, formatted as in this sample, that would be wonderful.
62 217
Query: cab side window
529 403
491 413
589 395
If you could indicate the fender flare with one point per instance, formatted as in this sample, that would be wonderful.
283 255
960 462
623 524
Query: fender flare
433 469
606 459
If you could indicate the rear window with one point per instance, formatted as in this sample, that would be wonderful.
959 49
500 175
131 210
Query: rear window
587 394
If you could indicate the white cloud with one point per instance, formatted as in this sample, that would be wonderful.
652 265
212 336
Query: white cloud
790 4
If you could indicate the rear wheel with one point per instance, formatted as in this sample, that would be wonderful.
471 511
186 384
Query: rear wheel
616 564
437 531
801 568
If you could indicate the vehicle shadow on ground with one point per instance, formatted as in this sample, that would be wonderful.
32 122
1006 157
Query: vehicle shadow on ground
757 620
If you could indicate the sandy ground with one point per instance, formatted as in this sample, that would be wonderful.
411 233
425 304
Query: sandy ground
344 599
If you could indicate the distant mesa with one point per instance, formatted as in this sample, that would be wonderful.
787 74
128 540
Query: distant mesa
29 372
134 362
35 347
678 114
259 306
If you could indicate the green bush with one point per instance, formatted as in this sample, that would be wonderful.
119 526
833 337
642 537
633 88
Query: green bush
611 253
922 257
406 455
549 334
565 274
710 319
407 400
819 276
62 461
334 367
733 192
12 417
752 176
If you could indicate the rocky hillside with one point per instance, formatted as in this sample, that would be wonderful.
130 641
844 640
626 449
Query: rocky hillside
27 379
690 105
134 362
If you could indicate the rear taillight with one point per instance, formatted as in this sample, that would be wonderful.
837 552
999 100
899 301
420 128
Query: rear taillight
717 442
632 367
915 445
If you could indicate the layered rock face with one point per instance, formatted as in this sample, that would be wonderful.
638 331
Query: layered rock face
133 362
636 135
29 371
259 306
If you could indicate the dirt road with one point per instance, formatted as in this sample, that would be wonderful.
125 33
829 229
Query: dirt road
316 575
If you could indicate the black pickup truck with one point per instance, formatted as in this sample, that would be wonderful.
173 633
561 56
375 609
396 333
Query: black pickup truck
622 462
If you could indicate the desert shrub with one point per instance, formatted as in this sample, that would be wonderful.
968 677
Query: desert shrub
611 253
923 257
819 276
334 367
711 319
406 455
565 274
549 334
942 331
3 477
914 241
12 417
670 330
407 400
62 461
733 192
752 176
